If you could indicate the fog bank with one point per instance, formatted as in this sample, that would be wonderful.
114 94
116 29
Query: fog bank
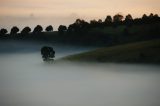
25 80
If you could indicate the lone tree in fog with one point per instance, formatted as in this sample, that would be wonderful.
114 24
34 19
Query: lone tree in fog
47 54
14 30
26 30
49 28
38 29
62 29
3 31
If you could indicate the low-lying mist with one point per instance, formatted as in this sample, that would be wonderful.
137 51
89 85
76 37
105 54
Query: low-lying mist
25 80
27 47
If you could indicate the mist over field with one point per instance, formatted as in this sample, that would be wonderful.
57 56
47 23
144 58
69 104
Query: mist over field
11 47
79 53
25 80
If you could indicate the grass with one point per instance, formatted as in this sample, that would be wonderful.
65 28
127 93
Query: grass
140 52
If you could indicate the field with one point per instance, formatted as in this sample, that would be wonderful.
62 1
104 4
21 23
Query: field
140 52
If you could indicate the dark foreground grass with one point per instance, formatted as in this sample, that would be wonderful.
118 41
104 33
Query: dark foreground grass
140 52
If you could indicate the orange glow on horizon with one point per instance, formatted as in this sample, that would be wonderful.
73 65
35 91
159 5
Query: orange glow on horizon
81 7
61 11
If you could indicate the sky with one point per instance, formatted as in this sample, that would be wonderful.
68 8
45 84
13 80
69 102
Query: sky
23 13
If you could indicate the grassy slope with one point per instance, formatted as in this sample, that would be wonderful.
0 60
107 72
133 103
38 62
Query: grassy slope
141 52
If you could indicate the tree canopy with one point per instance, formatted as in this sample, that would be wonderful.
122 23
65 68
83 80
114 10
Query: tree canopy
47 53
3 31
62 29
38 29
14 30
49 28
26 30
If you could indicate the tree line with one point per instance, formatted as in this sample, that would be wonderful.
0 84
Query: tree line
81 26
26 30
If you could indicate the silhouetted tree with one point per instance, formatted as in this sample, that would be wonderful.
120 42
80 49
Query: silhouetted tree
128 17
14 30
151 15
78 21
93 23
144 16
128 20
80 26
150 19
108 20
62 29
47 53
49 28
85 26
118 18
137 21
26 30
156 18
70 29
156 15
3 31
38 29
100 21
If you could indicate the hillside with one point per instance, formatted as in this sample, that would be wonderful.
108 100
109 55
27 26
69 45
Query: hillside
91 34
140 52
